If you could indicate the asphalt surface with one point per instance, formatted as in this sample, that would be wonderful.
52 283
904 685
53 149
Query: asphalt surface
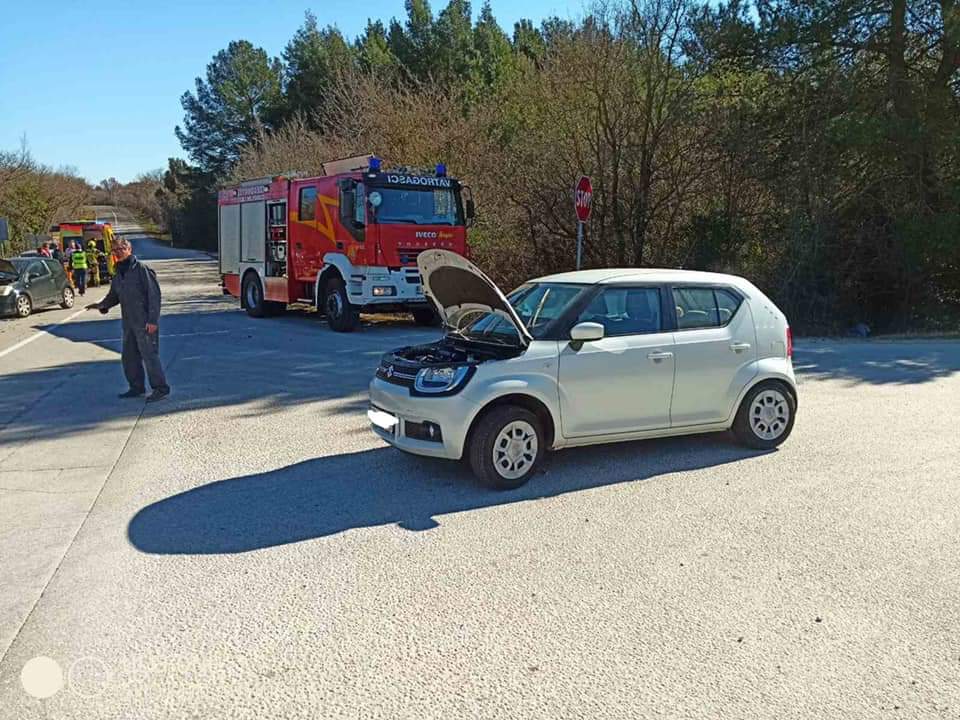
248 549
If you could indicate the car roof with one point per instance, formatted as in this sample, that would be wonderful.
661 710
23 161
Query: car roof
606 276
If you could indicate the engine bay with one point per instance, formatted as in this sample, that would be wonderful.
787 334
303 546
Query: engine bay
453 352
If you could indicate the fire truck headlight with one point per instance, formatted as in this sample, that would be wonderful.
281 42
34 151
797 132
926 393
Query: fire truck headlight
384 290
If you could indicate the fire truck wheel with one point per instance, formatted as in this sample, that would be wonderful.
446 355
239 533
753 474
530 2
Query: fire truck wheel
425 316
341 315
253 296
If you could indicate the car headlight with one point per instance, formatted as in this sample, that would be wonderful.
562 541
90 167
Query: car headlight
5 290
433 380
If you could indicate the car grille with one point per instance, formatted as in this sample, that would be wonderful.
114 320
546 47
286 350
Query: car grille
397 372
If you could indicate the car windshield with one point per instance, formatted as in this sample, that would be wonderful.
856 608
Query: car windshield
537 305
20 264
418 207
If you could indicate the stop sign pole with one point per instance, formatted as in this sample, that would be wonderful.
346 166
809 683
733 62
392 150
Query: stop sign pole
582 203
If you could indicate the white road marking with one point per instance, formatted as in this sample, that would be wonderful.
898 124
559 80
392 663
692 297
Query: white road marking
40 333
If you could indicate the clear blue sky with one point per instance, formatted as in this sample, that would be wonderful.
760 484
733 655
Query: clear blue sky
97 86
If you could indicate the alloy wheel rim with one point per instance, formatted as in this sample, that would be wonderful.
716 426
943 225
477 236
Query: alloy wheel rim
515 449
68 297
23 305
769 415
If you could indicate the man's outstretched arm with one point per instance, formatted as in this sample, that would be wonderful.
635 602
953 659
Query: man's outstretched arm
108 302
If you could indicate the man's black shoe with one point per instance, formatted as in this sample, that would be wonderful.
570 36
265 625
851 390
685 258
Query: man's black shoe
131 394
158 395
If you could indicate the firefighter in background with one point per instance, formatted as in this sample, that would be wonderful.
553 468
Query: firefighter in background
78 264
65 261
93 264
110 263
103 265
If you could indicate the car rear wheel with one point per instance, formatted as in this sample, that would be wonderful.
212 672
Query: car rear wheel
67 298
24 306
766 415
506 447
253 296
341 315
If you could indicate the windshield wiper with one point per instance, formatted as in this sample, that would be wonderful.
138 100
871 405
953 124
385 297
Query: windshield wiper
490 340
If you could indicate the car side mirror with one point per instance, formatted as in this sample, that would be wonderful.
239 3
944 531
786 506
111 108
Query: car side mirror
585 332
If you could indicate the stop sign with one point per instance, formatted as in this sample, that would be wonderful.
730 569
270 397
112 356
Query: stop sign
583 198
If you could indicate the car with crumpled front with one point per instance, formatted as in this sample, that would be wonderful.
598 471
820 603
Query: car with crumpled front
581 358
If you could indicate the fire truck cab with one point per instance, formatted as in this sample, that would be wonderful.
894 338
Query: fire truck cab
344 241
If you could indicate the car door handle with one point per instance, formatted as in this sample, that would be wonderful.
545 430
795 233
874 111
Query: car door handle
739 347
657 355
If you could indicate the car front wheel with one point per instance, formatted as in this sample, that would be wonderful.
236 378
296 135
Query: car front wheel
24 306
506 447
341 315
766 415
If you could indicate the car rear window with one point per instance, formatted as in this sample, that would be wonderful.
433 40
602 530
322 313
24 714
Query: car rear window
704 307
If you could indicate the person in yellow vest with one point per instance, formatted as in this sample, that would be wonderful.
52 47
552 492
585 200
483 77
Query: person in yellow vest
111 262
93 264
78 264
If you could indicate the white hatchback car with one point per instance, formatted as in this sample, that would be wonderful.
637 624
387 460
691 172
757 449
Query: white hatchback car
581 358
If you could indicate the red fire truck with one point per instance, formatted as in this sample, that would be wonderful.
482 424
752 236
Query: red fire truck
344 242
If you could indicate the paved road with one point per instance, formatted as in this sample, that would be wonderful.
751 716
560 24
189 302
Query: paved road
250 550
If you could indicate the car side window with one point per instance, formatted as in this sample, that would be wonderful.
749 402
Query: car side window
727 304
37 268
696 308
308 203
625 311
699 307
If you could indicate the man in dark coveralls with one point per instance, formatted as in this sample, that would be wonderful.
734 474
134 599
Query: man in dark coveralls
134 287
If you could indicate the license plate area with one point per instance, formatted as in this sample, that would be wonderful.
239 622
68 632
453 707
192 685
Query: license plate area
383 420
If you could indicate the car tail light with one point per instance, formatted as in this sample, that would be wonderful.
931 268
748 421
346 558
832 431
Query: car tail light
789 342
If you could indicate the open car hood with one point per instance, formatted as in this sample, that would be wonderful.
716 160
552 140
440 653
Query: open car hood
460 290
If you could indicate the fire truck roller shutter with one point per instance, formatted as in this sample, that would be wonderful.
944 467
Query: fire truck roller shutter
253 230
229 239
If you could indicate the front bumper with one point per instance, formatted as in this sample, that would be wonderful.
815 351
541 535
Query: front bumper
451 413
8 304
403 285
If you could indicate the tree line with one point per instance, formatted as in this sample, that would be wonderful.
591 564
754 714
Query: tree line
33 197
810 145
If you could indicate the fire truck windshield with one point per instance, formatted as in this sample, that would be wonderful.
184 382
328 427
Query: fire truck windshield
426 206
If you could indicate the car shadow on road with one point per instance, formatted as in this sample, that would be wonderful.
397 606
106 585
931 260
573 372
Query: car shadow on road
330 495
877 362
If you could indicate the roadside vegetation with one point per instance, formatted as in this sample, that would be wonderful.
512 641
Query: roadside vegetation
34 196
811 146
